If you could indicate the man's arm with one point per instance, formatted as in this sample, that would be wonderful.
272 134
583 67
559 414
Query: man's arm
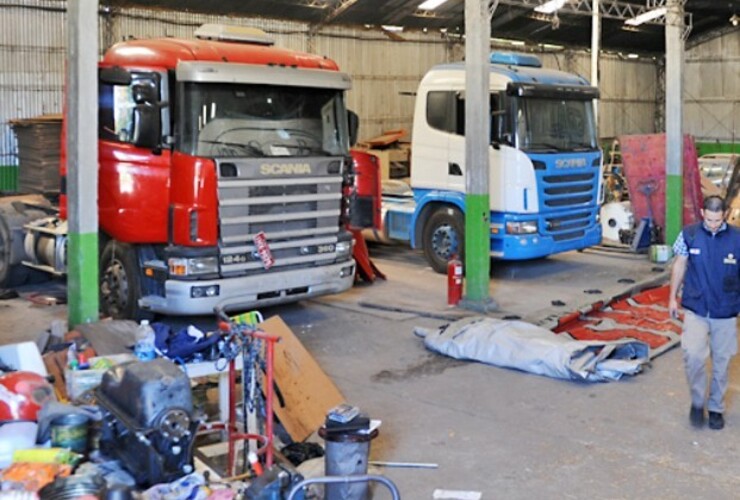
678 271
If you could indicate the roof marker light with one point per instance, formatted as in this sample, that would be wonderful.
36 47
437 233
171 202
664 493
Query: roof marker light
230 33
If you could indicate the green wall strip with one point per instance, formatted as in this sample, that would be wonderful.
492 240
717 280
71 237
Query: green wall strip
82 278
705 148
673 207
477 247
8 178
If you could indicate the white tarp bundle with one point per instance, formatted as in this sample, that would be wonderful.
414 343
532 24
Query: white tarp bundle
524 346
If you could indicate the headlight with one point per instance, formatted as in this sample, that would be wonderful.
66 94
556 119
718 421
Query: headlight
344 248
521 227
192 266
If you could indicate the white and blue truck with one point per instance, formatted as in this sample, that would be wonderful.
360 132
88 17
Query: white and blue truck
545 164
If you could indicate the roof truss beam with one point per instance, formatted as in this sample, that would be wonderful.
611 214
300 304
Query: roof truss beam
609 9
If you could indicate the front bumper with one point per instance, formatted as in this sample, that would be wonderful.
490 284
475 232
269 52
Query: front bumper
534 246
252 292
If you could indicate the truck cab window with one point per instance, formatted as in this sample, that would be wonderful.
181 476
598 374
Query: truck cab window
255 121
446 112
441 111
116 105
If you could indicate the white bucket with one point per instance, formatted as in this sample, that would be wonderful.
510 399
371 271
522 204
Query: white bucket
660 253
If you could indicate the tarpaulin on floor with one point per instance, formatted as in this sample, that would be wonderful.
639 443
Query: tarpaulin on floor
533 349
643 316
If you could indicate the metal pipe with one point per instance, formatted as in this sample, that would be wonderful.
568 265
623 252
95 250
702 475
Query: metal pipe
345 480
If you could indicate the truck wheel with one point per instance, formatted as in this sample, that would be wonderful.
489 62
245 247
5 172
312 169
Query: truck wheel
119 282
5 264
443 237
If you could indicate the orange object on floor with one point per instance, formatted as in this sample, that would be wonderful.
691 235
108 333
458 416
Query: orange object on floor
366 269
643 316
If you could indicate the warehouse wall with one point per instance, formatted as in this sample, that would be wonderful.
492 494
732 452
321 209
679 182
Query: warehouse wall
32 45
384 71
712 89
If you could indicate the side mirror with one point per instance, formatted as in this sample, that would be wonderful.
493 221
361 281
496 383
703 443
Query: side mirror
144 94
114 75
147 128
353 122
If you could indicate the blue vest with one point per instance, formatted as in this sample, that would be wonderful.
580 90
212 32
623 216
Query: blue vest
711 286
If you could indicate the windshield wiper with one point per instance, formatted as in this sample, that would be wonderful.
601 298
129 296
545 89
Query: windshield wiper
543 145
304 147
583 146
249 148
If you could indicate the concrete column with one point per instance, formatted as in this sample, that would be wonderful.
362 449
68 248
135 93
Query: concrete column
595 48
477 142
82 160
674 119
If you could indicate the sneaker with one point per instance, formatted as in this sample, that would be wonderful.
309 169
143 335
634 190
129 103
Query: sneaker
696 416
716 420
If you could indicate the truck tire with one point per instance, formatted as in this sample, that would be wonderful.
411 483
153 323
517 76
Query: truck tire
5 259
14 214
120 287
443 236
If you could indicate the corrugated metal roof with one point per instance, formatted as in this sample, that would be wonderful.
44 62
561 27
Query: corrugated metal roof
514 19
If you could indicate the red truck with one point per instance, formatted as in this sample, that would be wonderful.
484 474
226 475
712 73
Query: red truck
225 176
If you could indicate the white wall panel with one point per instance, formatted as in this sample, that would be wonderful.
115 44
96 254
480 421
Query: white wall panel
712 89
32 39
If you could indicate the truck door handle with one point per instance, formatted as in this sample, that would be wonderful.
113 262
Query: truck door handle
453 169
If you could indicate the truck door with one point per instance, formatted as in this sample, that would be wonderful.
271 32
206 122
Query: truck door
456 149
456 145
134 166
429 167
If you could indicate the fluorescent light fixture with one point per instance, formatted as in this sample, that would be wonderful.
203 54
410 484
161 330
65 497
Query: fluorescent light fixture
390 27
647 16
430 4
506 41
632 56
550 7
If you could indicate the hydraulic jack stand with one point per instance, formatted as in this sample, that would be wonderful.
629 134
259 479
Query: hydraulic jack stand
250 340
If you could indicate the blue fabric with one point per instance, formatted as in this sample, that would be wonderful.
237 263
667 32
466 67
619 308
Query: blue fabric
179 345
712 285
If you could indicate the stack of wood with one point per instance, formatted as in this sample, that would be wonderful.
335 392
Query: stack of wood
393 151
39 152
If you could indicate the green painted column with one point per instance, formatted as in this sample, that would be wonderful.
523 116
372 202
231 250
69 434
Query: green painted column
674 210
477 139
674 27
82 161
477 250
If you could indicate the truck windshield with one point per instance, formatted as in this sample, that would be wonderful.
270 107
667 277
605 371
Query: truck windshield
555 125
235 120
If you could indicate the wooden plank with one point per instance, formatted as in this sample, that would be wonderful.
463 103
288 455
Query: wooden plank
308 391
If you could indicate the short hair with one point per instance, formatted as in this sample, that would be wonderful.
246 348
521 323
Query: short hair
715 203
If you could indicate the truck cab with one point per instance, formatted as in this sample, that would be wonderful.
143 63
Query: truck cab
544 160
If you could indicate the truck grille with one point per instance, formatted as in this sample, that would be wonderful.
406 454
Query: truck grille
567 201
298 214
569 190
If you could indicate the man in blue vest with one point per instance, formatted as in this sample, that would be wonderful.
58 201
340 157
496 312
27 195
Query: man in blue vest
706 264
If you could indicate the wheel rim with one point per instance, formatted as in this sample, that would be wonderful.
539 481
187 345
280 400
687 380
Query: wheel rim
114 288
444 241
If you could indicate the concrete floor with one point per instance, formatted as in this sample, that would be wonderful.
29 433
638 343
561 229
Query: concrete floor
500 432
